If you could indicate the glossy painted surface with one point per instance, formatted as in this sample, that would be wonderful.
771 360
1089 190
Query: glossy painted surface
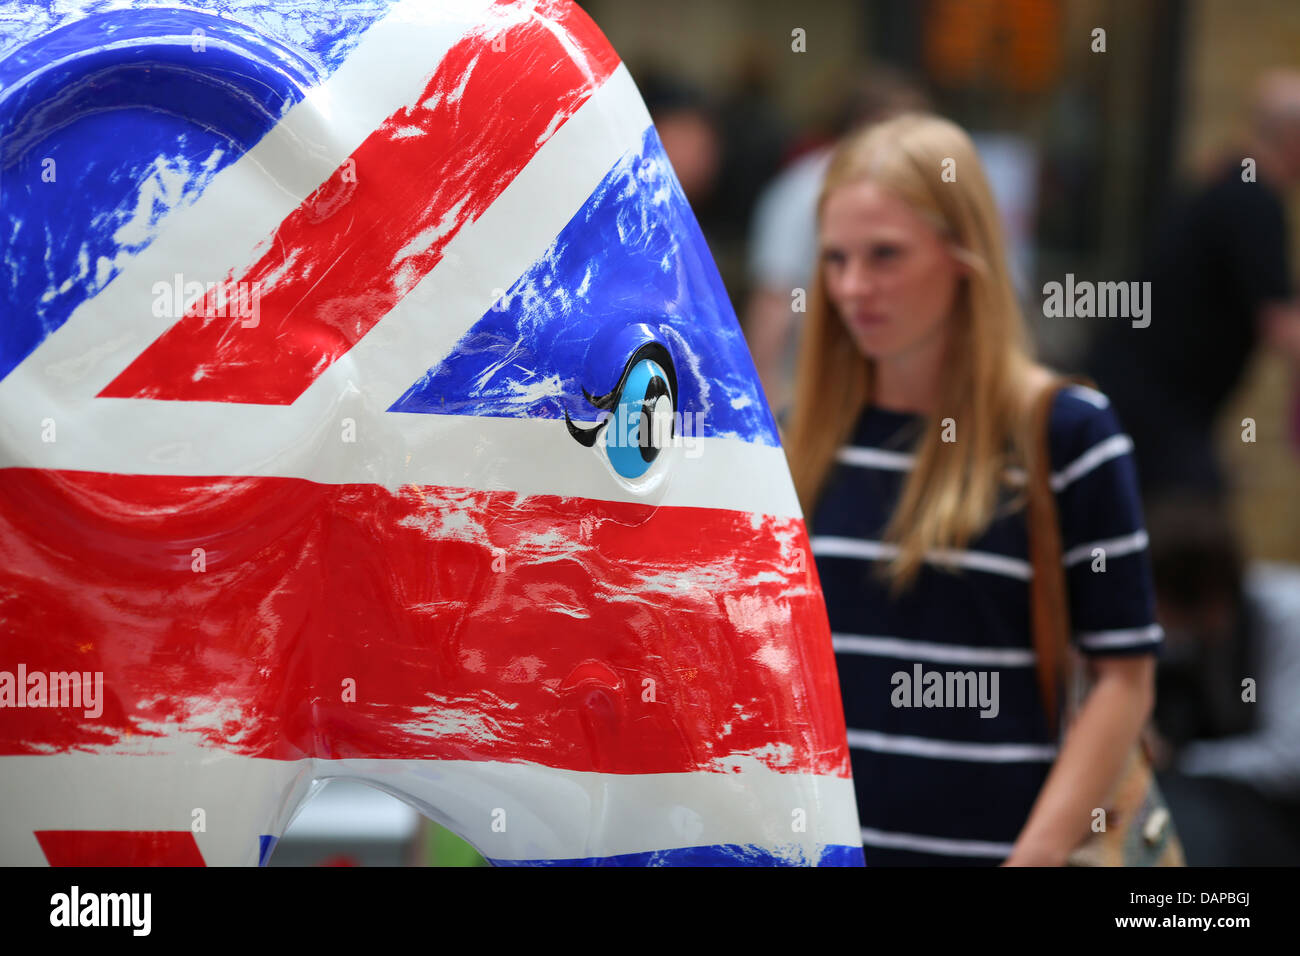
311 329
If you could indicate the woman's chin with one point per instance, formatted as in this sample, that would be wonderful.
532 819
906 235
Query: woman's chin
873 346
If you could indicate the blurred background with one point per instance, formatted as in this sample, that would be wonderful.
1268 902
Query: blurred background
1117 163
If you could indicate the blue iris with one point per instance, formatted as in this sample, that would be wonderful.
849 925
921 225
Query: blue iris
633 439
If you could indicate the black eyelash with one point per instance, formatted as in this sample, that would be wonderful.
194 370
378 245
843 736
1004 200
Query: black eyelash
609 401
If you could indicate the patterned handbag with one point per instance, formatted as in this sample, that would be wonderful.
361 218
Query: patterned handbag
1138 828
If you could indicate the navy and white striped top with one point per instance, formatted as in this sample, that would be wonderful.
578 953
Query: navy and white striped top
937 783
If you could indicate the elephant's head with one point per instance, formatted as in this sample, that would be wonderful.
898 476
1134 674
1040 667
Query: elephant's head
371 407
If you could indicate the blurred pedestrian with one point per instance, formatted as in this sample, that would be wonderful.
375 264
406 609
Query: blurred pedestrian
1220 279
909 442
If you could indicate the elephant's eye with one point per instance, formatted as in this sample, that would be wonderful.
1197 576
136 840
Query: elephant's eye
642 411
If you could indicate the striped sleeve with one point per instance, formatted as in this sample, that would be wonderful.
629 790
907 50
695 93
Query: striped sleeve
1104 539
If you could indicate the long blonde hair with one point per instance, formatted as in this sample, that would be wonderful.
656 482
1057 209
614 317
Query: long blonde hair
952 492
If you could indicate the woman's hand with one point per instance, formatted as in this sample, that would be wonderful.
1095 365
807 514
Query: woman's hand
1090 762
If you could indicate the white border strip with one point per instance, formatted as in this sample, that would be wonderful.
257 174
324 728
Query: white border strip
949 749
1122 637
548 814
864 456
908 650
1098 454
1113 547
528 456
837 547
937 845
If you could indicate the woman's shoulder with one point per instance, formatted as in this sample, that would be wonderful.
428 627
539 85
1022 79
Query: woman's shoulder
1083 432
1078 411
1078 406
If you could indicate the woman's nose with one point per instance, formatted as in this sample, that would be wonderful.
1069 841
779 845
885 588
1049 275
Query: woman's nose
859 279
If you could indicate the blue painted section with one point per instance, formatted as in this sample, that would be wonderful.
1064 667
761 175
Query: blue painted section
631 266
131 121
321 33
728 854
266 845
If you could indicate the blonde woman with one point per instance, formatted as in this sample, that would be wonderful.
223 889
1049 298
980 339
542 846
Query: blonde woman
908 437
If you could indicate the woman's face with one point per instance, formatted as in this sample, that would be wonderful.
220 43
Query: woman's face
890 276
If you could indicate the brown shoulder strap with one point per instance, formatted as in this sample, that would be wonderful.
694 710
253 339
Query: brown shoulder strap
1049 601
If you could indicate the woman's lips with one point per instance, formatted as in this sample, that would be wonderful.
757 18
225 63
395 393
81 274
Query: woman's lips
869 318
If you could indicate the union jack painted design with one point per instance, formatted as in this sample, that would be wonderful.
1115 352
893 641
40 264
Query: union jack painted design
309 323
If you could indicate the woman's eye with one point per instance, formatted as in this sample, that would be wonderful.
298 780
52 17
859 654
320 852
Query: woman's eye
887 252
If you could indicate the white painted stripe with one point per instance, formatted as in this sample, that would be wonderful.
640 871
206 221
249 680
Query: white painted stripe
949 749
563 814
548 813
910 650
937 845
1123 637
491 253
392 450
1098 454
304 440
837 547
241 798
226 226
1113 547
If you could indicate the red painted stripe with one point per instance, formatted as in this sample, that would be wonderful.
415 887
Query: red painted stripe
120 847
612 637
344 258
